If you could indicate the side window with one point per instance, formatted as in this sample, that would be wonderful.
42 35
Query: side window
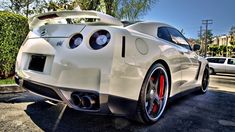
216 60
178 38
221 60
212 60
231 61
164 34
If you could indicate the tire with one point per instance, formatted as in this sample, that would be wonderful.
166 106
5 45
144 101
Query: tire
153 95
205 81
211 71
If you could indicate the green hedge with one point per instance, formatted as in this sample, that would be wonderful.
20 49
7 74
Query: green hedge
13 30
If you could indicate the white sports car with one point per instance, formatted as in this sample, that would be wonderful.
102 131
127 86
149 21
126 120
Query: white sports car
91 62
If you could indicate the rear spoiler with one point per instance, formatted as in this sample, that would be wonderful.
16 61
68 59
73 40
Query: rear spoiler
37 20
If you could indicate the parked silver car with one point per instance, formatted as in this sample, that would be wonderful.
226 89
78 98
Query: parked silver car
221 65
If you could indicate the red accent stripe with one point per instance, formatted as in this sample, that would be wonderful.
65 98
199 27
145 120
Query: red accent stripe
162 81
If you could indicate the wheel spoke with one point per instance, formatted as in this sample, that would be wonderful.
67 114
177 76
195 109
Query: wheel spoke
152 85
151 103
157 98
160 104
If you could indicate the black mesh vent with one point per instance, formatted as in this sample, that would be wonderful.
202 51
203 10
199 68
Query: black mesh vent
42 90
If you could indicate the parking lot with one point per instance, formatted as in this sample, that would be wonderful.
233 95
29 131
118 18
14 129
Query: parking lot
211 112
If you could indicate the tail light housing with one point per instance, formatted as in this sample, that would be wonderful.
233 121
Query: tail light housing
75 41
99 39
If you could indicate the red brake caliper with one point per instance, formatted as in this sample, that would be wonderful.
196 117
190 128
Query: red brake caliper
162 81
161 92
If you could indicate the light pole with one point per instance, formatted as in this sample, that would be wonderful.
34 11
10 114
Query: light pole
206 22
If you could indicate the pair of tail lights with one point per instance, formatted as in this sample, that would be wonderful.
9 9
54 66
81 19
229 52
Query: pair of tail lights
97 41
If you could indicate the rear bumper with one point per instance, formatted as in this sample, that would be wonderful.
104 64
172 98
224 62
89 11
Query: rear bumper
107 104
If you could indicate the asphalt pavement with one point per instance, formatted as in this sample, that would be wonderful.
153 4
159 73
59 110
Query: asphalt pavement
210 112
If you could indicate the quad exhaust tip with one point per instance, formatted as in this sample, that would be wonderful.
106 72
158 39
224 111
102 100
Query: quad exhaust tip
84 101
87 102
76 100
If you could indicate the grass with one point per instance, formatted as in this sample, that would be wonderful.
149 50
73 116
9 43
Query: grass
7 81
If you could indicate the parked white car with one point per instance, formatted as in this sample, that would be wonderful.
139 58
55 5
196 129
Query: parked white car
221 65
91 62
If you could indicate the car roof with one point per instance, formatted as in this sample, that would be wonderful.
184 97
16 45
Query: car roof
149 28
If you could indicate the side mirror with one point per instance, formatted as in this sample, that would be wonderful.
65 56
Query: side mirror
196 47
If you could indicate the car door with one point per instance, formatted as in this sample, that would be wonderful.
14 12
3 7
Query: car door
174 55
218 64
189 60
230 66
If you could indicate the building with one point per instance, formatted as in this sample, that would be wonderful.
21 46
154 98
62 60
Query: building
222 40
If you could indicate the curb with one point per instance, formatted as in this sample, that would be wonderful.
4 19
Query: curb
11 88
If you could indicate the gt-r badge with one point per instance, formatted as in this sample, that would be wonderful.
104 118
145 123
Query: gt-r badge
59 43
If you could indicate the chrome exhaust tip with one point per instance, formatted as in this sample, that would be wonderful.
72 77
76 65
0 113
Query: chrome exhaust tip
76 100
87 102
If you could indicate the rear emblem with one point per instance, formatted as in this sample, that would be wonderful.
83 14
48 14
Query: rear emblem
59 43
43 32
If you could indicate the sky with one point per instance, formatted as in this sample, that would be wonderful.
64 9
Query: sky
188 15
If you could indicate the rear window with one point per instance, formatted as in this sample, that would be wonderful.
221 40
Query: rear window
231 61
216 60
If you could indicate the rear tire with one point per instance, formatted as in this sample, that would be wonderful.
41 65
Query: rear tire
153 95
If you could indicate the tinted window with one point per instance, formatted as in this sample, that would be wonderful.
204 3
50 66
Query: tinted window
216 60
178 38
164 34
231 61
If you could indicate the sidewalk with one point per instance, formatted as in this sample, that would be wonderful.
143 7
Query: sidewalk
10 88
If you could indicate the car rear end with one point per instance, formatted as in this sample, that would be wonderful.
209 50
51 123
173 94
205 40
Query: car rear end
69 62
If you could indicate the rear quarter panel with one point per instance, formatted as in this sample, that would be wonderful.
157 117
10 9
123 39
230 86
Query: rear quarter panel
156 50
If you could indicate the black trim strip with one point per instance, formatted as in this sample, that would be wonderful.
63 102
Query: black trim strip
123 46
42 90
49 16
198 71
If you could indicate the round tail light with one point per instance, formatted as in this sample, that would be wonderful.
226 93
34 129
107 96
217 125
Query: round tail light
99 39
75 41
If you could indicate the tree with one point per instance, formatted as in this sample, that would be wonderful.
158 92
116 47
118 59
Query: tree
214 50
130 10
24 7
232 34
209 37
122 9
232 30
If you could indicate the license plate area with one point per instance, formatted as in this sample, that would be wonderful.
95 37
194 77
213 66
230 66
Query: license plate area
37 63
